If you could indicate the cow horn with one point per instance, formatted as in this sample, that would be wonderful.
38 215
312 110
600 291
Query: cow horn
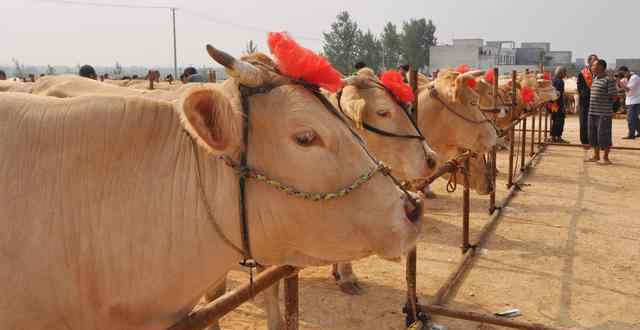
472 74
243 71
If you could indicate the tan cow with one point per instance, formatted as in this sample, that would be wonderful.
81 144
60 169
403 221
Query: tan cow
362 100
15 86
365 102
543 92
450 119
73 86
104 223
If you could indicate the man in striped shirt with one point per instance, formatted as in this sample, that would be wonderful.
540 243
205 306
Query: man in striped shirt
603 94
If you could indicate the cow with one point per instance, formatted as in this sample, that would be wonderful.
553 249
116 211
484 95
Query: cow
373 111
64 86
15 86
118 212
449 117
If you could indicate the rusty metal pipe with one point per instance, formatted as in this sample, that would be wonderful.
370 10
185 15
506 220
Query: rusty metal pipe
493 156
465 207
533 133
524 143
479 317
456 276
540 124
206 315
291 293
575 145
412 294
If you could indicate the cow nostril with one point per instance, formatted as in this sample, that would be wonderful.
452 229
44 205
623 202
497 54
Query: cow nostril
413 210
431 163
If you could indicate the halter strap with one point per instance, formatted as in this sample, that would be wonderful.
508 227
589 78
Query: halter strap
382 132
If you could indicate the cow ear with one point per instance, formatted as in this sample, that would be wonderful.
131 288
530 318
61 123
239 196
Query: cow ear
209 118
354 107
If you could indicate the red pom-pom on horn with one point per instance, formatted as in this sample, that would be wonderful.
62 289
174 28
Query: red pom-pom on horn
528 95
463 68
546 76
393 81
490 76
472 83
298 62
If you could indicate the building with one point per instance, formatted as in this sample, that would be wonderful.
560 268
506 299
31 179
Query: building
503 54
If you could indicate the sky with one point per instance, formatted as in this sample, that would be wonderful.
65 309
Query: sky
57 32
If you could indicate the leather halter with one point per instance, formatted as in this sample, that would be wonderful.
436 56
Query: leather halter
382 132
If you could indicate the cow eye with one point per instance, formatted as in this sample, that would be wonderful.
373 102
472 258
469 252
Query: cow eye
383 113
304 139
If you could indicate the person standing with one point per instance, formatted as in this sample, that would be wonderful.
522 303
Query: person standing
603 94
585 79
631 85
3 76
558 107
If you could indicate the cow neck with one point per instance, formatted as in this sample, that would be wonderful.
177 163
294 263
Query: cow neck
435 95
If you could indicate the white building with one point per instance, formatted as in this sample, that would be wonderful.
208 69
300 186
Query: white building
502 54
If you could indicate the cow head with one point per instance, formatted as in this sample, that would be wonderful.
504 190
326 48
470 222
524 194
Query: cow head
365 100
295 140
449 116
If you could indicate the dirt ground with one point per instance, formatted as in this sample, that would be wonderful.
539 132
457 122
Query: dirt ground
566 253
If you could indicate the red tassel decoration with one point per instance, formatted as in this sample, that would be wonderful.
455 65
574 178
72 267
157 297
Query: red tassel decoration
489 76
393 81
298 62
547 75
463 68
528 95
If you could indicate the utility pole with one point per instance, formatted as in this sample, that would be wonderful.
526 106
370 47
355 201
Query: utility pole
175 48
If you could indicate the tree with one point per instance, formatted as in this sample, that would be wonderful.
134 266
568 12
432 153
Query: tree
340 44
19 68
251 48
391 46
418 36
117 71
50 70
369 50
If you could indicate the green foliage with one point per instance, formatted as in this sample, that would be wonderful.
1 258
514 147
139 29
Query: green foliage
341 42
369 50
345 44
391 42
251 48
417 36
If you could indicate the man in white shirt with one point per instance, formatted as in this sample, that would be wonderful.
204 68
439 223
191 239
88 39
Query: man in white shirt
631 85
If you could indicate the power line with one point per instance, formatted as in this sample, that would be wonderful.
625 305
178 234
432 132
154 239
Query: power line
238 26
104 4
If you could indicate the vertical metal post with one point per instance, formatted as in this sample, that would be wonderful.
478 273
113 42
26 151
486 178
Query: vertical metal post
291 302
413 81
493 155
412 294
465 207
524 144
512 135
533 132
412 300
543 108
175 47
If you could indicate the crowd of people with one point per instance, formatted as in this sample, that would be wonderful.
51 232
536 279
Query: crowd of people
599 96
